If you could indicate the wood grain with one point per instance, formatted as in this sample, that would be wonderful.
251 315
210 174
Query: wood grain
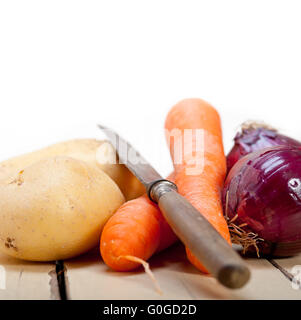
27 280
89 278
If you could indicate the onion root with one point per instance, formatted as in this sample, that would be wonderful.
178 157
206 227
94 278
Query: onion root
239 235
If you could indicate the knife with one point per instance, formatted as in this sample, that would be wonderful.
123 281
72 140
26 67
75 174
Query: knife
191 227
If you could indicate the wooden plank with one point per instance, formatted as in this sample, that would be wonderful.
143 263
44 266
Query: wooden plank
89 278
291 269
289 263
26 280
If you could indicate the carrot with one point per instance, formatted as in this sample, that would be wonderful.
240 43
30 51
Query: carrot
201 187
134 233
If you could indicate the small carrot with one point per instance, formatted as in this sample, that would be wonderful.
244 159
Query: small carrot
202 189
134 233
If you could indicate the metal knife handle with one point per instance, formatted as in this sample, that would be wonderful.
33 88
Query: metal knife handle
195 231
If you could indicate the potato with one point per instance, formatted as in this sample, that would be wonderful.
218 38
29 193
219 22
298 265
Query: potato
94 152
55 209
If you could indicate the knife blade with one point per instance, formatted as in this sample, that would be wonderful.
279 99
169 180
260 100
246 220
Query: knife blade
192 228
131 158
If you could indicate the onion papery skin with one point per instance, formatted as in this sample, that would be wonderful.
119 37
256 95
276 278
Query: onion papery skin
264 190
254 138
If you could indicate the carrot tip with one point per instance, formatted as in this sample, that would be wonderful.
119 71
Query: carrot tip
146 269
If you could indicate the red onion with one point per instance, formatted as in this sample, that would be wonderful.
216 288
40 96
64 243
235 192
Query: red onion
254 137
262 195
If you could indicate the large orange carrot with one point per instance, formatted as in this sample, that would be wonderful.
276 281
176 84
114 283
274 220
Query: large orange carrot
201 186
136 230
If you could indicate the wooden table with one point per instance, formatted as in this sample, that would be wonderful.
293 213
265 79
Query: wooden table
87 277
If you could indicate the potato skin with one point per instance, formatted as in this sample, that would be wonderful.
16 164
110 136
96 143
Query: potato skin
81 149
55 209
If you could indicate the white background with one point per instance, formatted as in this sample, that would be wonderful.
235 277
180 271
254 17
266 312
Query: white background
66 65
